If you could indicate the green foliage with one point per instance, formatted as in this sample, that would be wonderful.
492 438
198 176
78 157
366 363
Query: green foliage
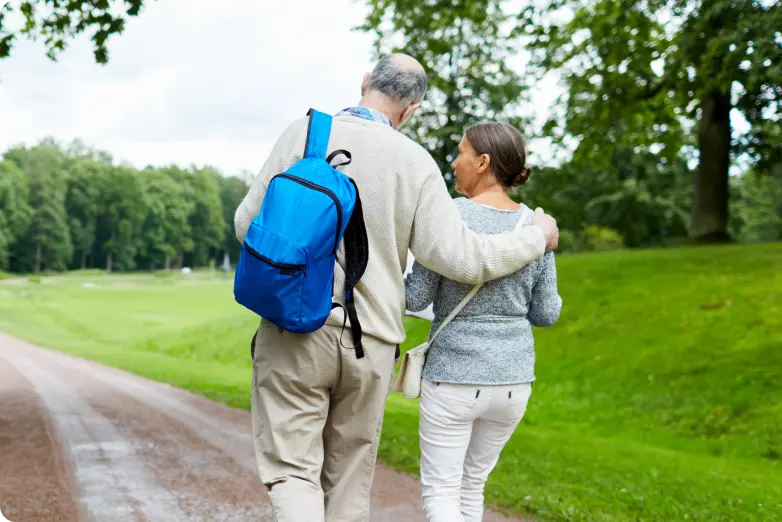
638 72
464 47
568 241
606 52
206 219
232 191
56 21
121 216
597 239
46 244
81 205
758 206
643 197
657 394
72 207
167 233
15 211
591 238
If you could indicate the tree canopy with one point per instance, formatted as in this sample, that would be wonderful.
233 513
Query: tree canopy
58 21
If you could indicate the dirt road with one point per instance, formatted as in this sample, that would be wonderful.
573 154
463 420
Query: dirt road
83 442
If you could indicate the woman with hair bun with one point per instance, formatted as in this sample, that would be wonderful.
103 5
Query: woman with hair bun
479 368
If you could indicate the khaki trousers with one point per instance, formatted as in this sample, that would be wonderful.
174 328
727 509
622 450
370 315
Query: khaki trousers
317 413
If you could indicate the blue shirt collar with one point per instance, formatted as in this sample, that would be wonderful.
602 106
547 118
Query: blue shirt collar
366 114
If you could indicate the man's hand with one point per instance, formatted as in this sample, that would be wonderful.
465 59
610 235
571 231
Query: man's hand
549 227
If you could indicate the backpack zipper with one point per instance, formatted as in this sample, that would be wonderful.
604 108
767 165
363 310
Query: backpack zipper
324 190
285 268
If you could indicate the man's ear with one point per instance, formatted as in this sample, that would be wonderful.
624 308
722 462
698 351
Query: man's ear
407 113
364 84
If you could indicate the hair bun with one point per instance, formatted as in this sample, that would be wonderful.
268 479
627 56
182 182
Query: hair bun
522 177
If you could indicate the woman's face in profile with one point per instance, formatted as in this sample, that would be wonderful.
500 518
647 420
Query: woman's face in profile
466 168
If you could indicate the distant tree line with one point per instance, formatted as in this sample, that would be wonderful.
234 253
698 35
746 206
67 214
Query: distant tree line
66 208
74 208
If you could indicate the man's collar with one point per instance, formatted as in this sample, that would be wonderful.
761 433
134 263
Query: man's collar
367 114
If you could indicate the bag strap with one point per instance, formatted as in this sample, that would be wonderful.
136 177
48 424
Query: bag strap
525 212
356 258
318 134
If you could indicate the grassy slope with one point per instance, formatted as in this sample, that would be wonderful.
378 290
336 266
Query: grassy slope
658 394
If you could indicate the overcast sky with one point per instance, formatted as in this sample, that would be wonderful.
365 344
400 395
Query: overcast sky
190 81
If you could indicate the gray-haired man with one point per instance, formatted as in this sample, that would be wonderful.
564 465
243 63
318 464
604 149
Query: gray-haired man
317 409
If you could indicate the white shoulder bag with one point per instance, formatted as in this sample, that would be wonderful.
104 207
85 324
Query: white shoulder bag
408 380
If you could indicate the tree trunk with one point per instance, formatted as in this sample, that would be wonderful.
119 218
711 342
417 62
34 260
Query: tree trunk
37 266
110 255
710 195
84 261
168 263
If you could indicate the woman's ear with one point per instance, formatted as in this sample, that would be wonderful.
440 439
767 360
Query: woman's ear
484 163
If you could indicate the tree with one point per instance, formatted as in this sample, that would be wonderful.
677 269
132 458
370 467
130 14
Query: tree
15 212
206 218
56 21
81 205
637 69
121 216
232 191
47 242
464 46
166 231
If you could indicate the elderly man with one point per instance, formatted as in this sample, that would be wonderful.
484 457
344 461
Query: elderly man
317 409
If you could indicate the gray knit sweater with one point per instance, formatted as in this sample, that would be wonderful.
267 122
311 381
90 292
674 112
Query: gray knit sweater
490 341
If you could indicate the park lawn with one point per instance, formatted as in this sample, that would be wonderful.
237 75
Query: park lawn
659 392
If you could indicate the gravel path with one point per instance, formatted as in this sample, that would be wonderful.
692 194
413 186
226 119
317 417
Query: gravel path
83 442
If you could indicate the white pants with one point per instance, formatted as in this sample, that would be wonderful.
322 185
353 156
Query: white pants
463 429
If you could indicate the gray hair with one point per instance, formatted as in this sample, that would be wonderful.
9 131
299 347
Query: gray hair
403 84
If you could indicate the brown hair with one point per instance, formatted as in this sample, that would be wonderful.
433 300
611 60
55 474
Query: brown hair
505 145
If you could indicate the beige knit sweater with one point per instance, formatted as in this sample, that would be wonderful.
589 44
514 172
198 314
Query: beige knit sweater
406 205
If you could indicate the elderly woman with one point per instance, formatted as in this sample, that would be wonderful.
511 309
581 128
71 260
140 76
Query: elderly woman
479 370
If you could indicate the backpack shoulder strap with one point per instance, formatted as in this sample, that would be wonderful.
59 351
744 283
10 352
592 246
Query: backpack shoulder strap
526 217
356 258
318 134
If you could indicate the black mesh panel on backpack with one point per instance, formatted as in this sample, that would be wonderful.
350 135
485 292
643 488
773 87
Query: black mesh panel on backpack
356 258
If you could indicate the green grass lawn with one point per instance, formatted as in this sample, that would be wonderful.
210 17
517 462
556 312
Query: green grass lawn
659 392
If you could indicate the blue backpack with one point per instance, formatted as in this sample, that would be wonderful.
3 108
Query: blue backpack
285 272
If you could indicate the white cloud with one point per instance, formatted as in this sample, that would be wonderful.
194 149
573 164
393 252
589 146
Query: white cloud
190 81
